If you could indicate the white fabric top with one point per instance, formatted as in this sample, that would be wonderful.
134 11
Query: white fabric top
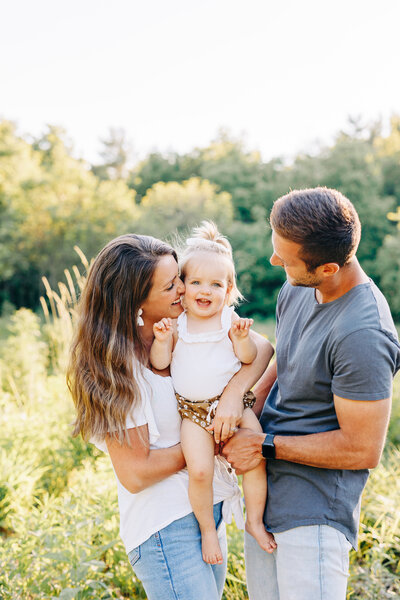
203 363
157 506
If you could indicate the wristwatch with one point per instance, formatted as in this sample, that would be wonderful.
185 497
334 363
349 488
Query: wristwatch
268 446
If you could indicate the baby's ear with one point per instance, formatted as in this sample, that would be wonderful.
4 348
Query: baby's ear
228 293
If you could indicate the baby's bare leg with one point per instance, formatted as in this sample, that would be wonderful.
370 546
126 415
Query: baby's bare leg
198 448
255 492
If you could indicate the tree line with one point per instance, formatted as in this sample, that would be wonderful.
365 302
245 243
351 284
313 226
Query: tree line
51 201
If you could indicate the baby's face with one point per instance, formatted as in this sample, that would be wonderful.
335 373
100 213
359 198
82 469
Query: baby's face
206 283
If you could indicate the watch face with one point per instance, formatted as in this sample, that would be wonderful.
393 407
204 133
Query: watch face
268 447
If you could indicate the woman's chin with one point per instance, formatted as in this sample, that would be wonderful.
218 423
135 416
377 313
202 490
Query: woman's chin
176 310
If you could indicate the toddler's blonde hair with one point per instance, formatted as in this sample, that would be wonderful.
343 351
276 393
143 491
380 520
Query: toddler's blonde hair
207 238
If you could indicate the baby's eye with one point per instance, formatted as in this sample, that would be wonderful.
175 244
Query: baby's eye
217 284
195 282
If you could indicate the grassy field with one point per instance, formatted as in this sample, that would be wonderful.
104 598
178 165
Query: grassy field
58 505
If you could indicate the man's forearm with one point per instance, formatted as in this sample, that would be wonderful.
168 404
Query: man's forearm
325 450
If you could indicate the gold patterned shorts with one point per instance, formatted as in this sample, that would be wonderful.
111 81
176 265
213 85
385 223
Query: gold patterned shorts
203 411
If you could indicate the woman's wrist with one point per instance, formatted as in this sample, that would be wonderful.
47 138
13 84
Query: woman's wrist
237 385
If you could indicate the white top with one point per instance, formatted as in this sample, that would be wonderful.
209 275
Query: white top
203 363
157 506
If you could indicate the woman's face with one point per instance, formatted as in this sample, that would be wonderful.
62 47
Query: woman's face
164 299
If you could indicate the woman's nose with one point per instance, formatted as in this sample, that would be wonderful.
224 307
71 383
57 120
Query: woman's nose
181 287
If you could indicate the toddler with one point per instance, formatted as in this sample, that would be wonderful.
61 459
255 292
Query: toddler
205 348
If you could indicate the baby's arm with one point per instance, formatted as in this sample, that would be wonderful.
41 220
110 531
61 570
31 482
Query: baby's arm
243 345
161 348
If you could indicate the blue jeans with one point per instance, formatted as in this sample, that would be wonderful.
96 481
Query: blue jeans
310 563
170 564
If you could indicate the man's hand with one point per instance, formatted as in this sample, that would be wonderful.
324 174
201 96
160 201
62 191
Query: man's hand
163 330
243 451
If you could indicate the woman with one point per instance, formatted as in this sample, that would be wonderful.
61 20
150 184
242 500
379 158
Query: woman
129 410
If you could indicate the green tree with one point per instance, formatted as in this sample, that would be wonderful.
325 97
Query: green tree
177 207
258 281
52 202
388 149
389 263
116 154
353 167
243 174
163 168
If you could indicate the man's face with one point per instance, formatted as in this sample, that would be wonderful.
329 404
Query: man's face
286 255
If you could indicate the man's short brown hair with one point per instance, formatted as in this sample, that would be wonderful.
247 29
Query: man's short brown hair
322 220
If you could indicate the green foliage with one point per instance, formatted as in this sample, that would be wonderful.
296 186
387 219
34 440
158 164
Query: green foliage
389 263
115 154
252 250
170 207
50 202
375 567
23 357
352 166
157 167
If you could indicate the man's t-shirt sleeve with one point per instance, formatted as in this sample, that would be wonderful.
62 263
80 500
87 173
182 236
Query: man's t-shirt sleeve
364 364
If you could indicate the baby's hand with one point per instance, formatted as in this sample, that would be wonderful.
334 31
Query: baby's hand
163 330
240 328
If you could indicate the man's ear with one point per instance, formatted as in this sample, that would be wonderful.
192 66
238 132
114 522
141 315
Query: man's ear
329 269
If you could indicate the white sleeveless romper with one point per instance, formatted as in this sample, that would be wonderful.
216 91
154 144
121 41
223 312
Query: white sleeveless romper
201 367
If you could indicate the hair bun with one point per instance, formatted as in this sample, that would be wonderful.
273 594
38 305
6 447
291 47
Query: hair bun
208 232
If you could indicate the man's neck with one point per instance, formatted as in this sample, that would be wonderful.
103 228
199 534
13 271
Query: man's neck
342 282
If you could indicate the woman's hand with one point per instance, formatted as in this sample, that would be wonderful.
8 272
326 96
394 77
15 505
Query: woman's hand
227 416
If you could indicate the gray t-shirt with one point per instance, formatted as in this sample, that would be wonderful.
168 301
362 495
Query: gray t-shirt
348 347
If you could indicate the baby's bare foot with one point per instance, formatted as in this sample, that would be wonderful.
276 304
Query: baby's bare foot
265 540
210 548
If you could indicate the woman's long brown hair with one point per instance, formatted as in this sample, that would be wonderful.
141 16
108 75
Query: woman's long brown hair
107 350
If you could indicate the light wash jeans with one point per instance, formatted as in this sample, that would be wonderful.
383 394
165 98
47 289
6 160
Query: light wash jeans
170 564
310 563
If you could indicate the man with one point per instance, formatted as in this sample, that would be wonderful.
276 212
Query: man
328 405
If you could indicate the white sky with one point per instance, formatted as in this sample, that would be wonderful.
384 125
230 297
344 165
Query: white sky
283 73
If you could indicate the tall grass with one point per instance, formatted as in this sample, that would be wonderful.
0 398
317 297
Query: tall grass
58 505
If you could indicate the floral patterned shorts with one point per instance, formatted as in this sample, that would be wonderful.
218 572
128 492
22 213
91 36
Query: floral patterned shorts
203 411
